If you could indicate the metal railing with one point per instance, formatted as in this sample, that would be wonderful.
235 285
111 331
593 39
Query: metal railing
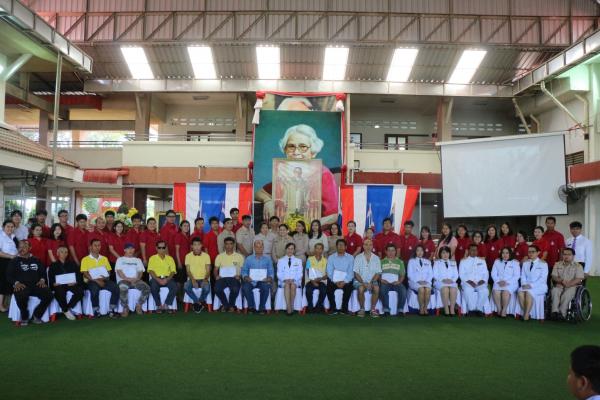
397 147
190 137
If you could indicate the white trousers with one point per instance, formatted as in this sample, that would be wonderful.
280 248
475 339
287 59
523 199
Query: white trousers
475 296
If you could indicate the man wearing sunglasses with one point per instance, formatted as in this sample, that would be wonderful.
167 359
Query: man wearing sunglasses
161 268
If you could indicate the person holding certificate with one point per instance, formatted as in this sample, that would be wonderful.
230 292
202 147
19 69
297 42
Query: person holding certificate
445 275
420 275
27 276
129 270
340 272
162 269
63 277
96 271
227 270
289 273
367 271
316 276
393 273
257 273
197 266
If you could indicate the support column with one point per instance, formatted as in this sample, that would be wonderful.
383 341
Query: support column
139 200
444 119
241 117
2 217
2 88
142 116
43 128
127 196
42 195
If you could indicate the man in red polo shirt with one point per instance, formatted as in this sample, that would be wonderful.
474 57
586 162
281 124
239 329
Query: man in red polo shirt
198 229
79 246
409 242
210 239
555 240
63 219
386 237
97 232
109 217
133 233
354 241
235 216
169 230
40 218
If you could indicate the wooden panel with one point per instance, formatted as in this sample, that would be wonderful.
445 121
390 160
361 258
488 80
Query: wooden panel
429 181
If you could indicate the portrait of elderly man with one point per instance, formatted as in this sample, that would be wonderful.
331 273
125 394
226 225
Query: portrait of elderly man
300 142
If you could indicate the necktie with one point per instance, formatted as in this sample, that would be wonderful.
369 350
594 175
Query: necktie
574 243
446 262
289 262
420 262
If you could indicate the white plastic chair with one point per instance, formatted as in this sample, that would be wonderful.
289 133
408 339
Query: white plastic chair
280 299
55 307
187 300
512 304
354 305
103 303
412 301
238 300
316 298
15 314
537 311
151 304
256 293
133 297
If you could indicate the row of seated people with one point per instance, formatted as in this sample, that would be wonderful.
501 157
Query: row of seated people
365 273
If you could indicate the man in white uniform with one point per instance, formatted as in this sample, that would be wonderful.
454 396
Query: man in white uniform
474 276
582 246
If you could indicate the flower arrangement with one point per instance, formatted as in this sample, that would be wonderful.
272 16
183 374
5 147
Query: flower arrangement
293 218
124 214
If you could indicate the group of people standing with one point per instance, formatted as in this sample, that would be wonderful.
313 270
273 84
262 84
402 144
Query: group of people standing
230 258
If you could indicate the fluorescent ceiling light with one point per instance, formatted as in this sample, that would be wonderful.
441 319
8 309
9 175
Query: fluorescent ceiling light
402 63
467 65
334 66
268 61
136 60
202 62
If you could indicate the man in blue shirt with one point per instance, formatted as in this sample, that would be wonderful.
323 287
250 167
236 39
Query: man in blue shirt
257 273
340 271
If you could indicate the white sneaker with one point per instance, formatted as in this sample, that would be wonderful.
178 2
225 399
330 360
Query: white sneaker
69 315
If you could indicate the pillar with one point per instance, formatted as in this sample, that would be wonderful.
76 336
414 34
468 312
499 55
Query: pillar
444 119
3 66
139 200
43 128
241 117
42 196
127 196
142 115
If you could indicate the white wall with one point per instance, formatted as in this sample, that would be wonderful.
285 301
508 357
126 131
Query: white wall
94 158
202 114
394 160
557 120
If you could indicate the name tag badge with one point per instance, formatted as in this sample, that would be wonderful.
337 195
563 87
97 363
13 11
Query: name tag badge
551 243
410 247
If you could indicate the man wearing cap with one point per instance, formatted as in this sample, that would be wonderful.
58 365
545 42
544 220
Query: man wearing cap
129 270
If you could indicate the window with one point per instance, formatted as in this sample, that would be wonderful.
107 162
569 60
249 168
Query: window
356 138
396 142
198 137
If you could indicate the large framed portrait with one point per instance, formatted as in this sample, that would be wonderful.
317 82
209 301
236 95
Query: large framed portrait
297 189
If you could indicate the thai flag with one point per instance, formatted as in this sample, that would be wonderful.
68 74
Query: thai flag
369 205
211 200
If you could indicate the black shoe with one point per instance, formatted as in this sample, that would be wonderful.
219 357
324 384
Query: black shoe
335 312
112 314
310 310
97 314
197 308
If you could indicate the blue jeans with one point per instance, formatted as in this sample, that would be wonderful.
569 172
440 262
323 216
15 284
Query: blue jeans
263 287
95 289
234 290
385 289
155 290
188 288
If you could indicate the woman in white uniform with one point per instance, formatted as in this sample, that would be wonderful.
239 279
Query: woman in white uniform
289 273
445 275
505 275
420 275
534 275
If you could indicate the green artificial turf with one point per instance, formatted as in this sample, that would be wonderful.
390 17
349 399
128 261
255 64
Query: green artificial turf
227 356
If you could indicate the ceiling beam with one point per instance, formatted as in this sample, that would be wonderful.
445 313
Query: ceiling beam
34 100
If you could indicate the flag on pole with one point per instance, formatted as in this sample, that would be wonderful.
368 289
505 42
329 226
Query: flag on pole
211 200
369 205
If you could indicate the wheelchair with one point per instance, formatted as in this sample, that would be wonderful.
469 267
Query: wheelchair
580 307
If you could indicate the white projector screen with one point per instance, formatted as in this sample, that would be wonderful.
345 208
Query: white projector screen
504 176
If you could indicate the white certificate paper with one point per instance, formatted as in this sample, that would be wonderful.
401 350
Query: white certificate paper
99 272
339 276
258 274
389 277
130 272
314 273
65 279
227 272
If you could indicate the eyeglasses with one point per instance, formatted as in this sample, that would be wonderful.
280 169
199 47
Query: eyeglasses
291 148
531 251
161 248
170 216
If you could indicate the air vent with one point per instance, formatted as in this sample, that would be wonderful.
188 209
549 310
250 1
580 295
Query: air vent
200 97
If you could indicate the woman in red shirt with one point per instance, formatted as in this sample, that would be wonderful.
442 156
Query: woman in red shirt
521 247
427 243
198 229
148 240
56 240
39 247
493 244
481 247
540 242
463 241
182 240
508 238
116 242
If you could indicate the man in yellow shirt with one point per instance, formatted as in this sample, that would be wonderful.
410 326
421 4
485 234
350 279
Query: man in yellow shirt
227 275
197 265
161 268
96 271
316 274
